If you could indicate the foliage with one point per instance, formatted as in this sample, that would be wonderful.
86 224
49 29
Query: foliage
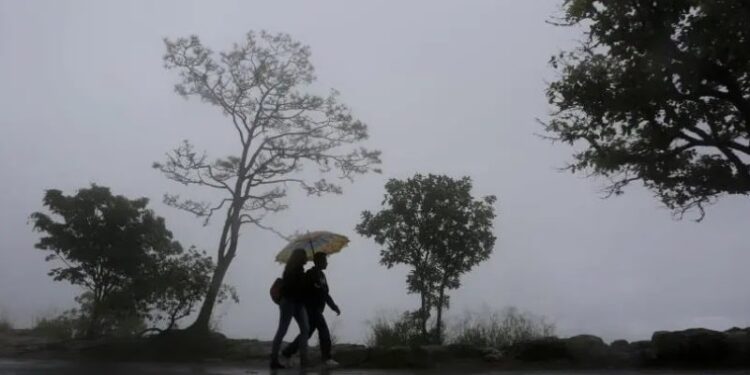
658 92
259 87
406 330
65 326
5 324
500 329
434 225
181 283
124 257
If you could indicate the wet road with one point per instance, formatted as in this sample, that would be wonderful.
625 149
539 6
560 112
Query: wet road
37 367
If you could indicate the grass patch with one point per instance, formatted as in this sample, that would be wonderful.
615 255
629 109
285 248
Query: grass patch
500 329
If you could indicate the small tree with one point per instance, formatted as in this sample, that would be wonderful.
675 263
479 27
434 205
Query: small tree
181 283
434 225
258 85
123 256
658 92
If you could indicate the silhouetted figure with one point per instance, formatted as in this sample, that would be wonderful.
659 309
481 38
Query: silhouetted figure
292 304
316 298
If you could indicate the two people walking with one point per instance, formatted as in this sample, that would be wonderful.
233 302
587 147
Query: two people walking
304 296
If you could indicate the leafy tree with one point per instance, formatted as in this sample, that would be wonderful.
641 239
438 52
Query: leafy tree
258 86
123 256
658 92
434 225
181 283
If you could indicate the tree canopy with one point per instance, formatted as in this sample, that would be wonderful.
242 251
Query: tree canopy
434 225
124 257
658 92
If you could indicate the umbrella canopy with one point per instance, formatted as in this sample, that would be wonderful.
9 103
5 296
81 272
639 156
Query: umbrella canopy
313 242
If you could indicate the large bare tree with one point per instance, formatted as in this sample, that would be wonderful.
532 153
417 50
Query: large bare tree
259 85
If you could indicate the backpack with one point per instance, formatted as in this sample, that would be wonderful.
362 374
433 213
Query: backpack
276 290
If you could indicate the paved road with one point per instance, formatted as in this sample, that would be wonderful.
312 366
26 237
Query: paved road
37 367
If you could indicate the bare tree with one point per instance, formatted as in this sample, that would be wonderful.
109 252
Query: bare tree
280 129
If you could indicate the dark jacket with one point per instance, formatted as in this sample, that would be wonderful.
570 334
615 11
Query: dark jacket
293 286
317 293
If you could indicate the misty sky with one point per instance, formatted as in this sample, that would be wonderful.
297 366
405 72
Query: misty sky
445 87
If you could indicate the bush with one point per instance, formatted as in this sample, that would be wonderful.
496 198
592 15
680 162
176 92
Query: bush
402 331
5 324
63 327
500 329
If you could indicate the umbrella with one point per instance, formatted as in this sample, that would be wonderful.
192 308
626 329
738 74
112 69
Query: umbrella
313 242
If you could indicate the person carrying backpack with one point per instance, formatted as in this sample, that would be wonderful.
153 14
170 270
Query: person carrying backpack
316 298
292 305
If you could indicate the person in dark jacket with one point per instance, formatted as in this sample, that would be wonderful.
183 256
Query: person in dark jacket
292 305
316 298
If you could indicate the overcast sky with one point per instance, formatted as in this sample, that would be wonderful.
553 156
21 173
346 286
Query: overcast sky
448 87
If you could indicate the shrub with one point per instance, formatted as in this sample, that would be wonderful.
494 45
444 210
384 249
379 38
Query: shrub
500 329
63 327
402 331
5 324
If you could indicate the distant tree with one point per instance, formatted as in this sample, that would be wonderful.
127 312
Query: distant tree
258 85
434 225
658 92
123 256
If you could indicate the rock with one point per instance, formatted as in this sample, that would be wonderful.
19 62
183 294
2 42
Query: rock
460 351
538 350
490 354
621 345
697 346
392 357
589 350
349 355
435 351
738 341
642 353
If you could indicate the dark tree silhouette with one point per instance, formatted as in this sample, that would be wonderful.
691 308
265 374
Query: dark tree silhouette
123 256
434 225
658 92
258 85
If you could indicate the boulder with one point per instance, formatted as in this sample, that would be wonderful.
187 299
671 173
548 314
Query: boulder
391 357
738 341
349 355
643 353
490 354
460 351
620 345
697 347
589 350
541 350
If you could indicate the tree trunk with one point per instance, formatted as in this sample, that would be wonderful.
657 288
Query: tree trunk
201 324
225 255
93 324
439 323
423 314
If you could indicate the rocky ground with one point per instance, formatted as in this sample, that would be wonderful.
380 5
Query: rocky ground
693 348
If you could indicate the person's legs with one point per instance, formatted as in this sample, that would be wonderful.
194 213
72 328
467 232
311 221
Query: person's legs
286 311
324 335
292 348
300 316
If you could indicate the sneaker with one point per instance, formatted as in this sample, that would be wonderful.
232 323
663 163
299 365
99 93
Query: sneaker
331 363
